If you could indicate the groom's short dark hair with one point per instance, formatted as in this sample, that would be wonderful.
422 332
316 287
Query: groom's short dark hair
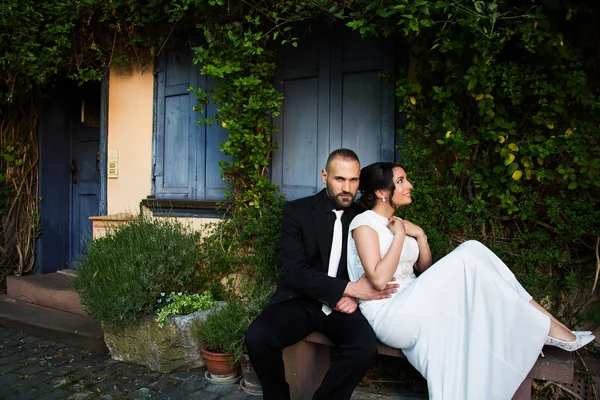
341 153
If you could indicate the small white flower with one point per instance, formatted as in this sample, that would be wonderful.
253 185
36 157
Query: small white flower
162 294
179 293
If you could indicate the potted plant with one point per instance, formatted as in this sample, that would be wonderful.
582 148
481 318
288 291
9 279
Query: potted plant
225 328
223 333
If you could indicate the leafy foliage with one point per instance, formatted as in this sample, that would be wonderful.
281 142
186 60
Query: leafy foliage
499 100
182 304
121 277
225 327
502 113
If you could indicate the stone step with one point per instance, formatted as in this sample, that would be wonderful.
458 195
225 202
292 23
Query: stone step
48 290
59 326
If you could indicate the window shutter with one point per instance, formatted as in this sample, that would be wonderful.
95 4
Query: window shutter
176 130
186 154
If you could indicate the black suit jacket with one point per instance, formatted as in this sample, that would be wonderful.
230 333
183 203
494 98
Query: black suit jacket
305 247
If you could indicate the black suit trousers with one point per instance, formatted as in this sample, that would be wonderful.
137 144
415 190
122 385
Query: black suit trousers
285 323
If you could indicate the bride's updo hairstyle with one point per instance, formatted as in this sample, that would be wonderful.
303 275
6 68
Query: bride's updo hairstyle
377 176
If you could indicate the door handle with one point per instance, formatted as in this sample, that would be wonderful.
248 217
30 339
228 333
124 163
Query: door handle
97 161
74 171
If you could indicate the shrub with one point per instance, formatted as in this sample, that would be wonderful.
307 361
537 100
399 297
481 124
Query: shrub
224 328
123 273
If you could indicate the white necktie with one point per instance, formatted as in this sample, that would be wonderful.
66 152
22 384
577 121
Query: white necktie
336 251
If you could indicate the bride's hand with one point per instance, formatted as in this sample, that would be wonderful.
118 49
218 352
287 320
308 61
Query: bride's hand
396 226
412 229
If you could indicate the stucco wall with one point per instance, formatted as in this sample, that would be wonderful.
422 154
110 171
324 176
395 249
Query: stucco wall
130 108
130 97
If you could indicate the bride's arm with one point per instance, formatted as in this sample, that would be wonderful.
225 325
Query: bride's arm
379 270
425 259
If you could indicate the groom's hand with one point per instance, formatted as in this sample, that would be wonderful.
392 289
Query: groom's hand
346 305
362 289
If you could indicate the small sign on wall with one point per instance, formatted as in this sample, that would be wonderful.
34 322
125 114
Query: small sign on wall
113 164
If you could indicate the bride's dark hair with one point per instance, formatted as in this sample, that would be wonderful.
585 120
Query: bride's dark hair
377 176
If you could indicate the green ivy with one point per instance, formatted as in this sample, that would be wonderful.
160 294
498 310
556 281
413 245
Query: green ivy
500 113
499 102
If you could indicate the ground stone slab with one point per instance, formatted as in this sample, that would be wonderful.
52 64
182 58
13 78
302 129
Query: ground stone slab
174 346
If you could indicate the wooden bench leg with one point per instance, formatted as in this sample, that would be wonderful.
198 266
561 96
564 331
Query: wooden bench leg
305 366
524 391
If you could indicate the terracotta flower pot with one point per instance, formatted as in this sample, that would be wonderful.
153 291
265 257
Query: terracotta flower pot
220 365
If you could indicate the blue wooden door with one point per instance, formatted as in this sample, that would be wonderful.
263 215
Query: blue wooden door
333 97
85 171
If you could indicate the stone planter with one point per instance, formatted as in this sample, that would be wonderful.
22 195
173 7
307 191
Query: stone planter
176 346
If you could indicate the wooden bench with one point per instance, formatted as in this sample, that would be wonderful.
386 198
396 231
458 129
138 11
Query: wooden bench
307 362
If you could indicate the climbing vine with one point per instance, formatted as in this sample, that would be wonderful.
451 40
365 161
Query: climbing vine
498 102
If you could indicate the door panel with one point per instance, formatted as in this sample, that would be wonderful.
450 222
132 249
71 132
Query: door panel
361 115
85 183
299 141
334 97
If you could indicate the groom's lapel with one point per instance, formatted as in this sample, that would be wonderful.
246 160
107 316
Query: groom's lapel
319 218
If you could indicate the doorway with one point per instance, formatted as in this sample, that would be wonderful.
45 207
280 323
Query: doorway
69 174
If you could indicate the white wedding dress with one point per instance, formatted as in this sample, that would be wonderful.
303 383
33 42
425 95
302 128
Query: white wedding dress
465 324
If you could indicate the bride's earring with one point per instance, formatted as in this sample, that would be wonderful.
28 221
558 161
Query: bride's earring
383 199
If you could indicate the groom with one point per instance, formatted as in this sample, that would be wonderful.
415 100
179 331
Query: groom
313 293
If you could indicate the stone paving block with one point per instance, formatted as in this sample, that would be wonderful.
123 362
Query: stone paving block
220 389
30 339
9 367
26 383
201 395
171 394
239 394
107 385
7 351
8 379
160 385
54 395
131 386
60 370
11 359
192 385
185 375
31 370
82 395
28 395
45 343
143 393
6 391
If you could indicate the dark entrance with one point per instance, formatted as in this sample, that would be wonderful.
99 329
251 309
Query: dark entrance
69 175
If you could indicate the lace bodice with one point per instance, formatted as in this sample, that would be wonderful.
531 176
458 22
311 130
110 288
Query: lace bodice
410 250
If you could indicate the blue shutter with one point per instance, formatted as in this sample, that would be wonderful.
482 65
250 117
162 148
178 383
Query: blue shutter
333 97
210 183
186 154
175 163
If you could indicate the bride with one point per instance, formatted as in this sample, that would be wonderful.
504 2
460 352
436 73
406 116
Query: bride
466 324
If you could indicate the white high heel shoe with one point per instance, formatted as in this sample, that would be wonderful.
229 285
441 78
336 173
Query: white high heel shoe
581 333
579 342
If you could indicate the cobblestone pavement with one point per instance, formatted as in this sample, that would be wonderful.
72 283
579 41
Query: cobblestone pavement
34 368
